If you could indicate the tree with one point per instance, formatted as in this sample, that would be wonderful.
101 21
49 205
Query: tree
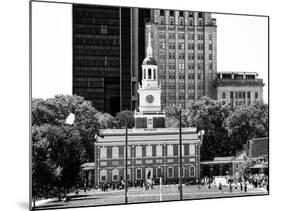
209 115
172 116
58 150
55 147
43 178
55 110
105 120
124 118
247 122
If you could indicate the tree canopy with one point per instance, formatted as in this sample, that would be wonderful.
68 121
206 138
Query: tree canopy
226 127
124 118
56 145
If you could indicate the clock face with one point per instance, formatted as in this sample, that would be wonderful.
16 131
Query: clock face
149 99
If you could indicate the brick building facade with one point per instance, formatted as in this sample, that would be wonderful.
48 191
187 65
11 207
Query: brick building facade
152 150
156 151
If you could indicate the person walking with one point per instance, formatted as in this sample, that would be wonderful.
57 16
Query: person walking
230 187
220 187
245 187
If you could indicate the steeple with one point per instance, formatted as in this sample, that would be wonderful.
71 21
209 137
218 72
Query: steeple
149 48
149 60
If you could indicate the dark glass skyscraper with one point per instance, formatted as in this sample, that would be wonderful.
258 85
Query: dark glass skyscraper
106 55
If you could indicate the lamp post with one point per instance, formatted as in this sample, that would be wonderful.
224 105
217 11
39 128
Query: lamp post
126 165
200 135
180 142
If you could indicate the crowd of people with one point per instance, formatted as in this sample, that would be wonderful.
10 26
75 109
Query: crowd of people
256 180
121 185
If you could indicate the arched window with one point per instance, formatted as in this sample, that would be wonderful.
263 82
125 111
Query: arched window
115 175
149 73
144 74
154 75
170 172
103 175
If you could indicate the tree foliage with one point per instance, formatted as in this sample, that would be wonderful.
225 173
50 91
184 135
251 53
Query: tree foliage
247 122
226 127
56 145
209 115
124 118
105 120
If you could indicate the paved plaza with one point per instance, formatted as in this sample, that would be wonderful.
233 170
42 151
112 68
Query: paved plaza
137 195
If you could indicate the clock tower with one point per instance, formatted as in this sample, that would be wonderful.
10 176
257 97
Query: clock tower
150 114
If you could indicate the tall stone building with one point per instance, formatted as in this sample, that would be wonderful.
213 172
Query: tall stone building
185 48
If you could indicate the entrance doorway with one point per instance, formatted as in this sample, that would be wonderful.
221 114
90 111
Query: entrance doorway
148 174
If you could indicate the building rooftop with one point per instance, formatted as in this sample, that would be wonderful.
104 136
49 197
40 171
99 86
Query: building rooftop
149 61
146 131
239 82
147 136
230 78
229 159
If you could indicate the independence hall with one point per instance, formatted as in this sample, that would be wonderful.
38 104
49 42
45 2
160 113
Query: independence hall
153 151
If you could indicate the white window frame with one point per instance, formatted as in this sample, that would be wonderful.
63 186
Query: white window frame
159 150
191 149
128 173
117 170
103 152
103 172
183 171
148 151
129 151
115 152
170 150
182 149
161 169
138 151
172 172
137 173
190 167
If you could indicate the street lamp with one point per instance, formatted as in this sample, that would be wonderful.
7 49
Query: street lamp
180 142
200 135
126 165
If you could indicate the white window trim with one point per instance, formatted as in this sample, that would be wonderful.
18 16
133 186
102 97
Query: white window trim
103 170
115 155
189 148
115 174
157 146
137 173
103 155
159 167
172 172
190 171
129 173
172 150
137 154
183 171
146 151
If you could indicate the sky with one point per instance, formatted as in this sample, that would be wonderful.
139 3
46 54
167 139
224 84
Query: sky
242 45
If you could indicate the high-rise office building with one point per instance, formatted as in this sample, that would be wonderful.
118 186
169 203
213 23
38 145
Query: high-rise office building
185 48
107 44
